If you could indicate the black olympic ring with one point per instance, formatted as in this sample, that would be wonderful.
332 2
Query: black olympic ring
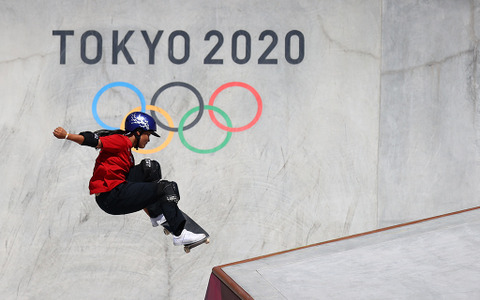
191 88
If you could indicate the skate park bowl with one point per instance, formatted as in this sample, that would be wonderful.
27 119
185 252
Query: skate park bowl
431 258
284 123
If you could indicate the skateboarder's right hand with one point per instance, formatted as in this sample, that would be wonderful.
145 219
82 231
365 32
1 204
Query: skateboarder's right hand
60 133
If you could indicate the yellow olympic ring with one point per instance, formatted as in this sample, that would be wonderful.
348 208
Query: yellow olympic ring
170 133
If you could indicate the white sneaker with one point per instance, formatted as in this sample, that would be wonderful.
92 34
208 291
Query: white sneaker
187 237
158 220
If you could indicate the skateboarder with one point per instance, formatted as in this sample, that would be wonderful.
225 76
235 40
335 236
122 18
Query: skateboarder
121 187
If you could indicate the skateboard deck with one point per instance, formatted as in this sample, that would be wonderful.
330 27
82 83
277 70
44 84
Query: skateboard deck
192 226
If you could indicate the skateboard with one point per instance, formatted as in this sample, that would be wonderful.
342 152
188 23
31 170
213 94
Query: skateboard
192 226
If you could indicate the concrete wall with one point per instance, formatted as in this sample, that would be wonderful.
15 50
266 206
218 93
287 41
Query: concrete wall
376 125
428 143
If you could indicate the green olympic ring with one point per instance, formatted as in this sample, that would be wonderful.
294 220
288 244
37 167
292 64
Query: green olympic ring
203 151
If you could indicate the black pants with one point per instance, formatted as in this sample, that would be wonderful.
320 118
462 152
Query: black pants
140 191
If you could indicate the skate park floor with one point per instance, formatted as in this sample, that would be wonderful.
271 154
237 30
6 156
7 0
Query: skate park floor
434 258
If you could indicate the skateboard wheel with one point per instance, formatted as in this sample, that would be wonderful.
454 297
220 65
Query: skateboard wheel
186 250
166 231
207 241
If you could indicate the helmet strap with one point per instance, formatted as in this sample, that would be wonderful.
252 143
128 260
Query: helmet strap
137 135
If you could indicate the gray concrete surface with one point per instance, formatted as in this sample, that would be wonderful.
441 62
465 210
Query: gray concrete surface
377 125
434 259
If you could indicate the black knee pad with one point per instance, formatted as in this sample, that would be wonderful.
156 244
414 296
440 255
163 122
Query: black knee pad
168 191
151 170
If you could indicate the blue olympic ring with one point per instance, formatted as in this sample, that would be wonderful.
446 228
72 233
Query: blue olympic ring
105 88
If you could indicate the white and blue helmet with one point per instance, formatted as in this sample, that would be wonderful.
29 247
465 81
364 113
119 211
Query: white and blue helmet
140 121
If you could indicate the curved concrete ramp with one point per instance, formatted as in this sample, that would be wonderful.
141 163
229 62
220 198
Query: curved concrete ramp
426 259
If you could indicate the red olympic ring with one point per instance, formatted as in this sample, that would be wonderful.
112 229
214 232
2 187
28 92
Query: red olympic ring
239 84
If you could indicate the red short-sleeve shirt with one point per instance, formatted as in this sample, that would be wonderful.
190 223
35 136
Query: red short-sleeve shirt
112 164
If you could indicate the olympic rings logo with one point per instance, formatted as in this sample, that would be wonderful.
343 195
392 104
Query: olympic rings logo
182 127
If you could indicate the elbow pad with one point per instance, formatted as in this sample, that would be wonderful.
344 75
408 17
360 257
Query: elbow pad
90 139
